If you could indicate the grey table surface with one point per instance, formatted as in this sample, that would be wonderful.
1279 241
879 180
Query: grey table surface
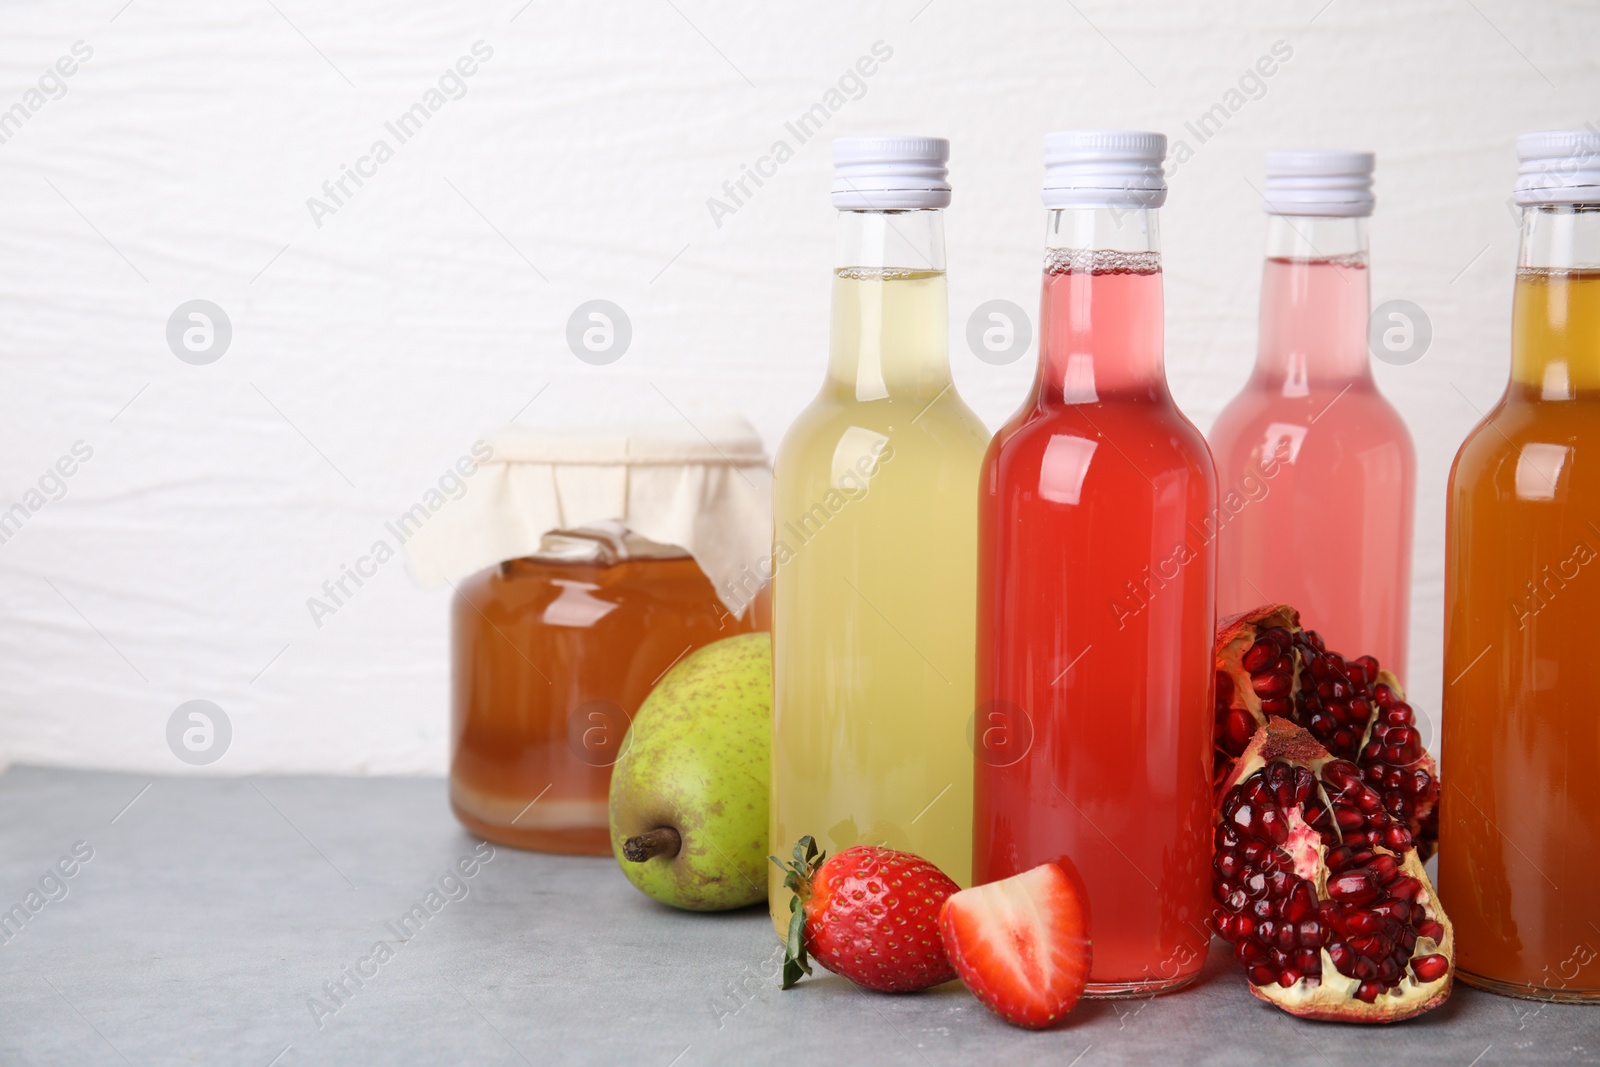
214 912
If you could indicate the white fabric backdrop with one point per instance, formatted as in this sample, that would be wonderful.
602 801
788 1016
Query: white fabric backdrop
375 337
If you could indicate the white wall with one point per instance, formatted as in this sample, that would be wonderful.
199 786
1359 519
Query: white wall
369 352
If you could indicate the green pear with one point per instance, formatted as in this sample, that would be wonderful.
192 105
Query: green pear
689 792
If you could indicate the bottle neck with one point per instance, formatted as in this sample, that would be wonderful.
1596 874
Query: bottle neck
1315 303
1100 333
1555 319
890 308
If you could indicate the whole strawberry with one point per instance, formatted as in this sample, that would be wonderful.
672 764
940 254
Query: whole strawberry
869 914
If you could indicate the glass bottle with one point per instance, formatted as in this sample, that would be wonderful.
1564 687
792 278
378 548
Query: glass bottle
1096 600
874 541
1519 835
1316 470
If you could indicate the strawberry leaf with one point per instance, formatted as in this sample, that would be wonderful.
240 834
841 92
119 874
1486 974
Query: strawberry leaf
797 879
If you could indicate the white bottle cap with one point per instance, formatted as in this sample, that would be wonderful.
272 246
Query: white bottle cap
1319 183
1104 168
1559 167
890 173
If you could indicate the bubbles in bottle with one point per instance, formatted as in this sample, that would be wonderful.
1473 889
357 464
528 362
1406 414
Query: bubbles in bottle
1100 261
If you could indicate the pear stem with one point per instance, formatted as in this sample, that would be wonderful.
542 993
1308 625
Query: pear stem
662 841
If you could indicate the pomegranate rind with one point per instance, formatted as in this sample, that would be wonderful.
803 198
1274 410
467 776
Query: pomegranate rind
1235 635
1332 997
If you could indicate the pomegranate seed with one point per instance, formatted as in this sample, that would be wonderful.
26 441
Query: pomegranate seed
1237 729
1368 991
1429 968
1271 685
1383 868
1260 655
1397 838
1301 903
1274 706
1431 930
1261 974
1289 977
1373 948
1342 955
1365 922
1353 887
1310 933
1398 910
1341 773
1308 963
1405 888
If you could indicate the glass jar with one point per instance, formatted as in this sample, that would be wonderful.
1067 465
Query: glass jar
552 655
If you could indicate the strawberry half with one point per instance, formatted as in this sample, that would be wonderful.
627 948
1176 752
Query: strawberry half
1021 944
869 914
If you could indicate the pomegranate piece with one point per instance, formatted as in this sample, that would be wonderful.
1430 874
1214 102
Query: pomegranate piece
1269 667
1021 944
1328 918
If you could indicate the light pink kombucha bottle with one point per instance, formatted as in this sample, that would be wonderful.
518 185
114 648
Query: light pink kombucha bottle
1315 468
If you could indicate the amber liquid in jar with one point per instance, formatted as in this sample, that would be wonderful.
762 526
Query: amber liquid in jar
551 659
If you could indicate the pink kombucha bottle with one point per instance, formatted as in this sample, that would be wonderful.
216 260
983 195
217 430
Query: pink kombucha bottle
1316 470
1096 595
